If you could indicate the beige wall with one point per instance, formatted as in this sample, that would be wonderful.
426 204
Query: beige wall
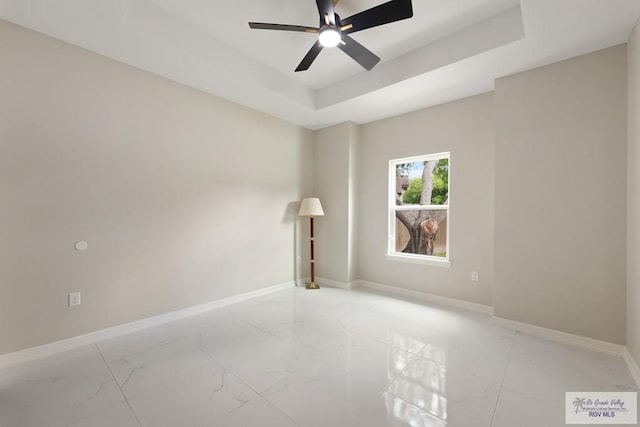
560 196
465 128
183 197
633 196
335 150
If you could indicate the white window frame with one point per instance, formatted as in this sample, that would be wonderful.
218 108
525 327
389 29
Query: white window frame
392 255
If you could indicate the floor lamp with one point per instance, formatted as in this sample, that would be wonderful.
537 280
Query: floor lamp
311 207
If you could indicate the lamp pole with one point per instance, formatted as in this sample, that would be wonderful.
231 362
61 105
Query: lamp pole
311 207
312 284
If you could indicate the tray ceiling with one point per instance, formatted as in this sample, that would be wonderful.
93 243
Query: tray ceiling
448 50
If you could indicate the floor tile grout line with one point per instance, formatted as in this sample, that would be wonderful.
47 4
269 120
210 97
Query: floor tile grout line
430 414
259 395
226 369
414 360
237 377
117 385
504 376
379 341
273 405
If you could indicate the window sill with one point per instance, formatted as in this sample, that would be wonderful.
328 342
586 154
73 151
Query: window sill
417 259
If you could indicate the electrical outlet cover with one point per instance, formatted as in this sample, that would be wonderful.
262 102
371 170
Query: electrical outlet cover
74 299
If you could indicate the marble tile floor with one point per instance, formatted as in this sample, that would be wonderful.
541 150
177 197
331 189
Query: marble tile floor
311 359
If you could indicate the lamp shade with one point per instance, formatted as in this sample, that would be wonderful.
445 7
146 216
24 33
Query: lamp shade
311 207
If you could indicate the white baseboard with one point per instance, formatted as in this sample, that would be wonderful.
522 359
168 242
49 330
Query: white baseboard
563 337
325 282
334 284
633 366
425 297
11 359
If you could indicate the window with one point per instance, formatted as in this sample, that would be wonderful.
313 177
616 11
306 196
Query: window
419 209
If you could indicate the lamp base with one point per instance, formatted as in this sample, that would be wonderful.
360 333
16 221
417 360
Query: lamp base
312 285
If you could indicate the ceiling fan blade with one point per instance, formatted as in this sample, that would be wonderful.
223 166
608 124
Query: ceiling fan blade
326 11
359 53
281 27
310 57
391 11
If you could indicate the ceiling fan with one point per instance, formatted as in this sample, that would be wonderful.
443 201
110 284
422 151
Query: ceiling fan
333 31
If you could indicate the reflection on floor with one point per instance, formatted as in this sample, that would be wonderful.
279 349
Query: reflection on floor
314 359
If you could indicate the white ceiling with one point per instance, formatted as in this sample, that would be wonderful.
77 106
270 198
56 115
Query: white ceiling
450 49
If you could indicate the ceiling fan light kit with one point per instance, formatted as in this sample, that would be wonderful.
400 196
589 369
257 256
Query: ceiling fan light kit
329 37
334 31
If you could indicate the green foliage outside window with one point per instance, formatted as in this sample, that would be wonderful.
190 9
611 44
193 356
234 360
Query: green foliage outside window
412 195
440 192
440 180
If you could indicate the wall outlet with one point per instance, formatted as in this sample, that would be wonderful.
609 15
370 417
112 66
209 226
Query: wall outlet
74 299
474 276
